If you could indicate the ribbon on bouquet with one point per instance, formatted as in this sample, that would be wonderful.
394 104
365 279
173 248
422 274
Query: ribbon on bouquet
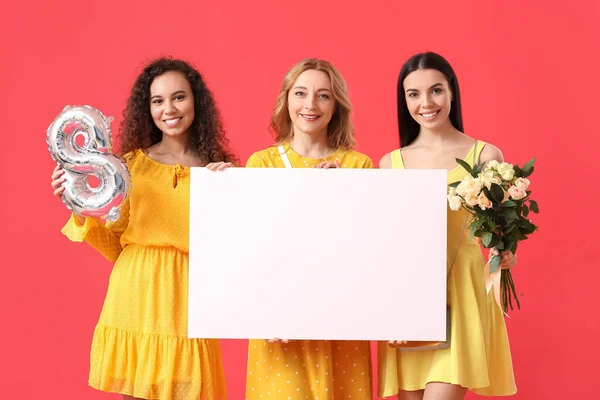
492 280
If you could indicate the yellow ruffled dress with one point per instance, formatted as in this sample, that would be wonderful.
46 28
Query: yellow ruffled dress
140 346
479 354
308 369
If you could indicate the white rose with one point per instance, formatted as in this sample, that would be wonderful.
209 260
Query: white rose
497 180
460 189
522 183
516 193
508 174
492 165
486 178
455 203
469 186
452 191
506 171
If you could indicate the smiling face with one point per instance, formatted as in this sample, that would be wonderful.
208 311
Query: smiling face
428 98
311 103
172 103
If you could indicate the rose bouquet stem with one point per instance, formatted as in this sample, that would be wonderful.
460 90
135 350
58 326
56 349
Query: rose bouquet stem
508 291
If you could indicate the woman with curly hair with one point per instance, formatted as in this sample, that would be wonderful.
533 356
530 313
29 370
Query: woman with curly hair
140 347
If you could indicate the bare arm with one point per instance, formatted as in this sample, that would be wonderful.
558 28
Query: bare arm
489 153
386 161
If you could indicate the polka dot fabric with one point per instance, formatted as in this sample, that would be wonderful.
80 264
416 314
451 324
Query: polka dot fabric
270 158
140 345
308 369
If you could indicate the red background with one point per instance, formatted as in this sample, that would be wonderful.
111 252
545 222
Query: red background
529 79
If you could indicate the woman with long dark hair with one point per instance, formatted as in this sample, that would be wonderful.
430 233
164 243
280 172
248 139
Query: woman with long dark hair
478 356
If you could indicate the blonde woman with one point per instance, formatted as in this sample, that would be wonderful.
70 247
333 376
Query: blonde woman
312 128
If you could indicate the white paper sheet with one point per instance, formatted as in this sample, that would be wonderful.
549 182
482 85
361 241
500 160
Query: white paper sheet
318 254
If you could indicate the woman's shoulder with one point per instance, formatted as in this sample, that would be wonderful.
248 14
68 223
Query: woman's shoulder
387 160
131 156
357 159
484 151
259 158
269 151
489 152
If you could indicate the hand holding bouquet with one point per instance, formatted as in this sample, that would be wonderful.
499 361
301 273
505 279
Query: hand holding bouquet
497 196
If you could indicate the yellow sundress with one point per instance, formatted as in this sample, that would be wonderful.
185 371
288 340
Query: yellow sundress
479 354
140 346
308 369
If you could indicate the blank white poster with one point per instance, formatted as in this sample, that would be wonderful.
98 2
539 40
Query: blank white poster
318 254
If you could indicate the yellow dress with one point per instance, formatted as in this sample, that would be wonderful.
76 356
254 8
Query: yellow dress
479 354
140 346
308 369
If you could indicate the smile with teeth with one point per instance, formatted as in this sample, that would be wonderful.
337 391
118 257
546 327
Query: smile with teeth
172 121
309 117
430 115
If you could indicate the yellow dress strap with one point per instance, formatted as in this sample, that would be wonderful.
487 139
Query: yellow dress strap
475 152
397 161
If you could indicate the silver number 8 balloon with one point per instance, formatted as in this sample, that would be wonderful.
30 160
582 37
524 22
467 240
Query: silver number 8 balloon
80 140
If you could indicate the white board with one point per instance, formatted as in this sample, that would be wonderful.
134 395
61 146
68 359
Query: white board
318 254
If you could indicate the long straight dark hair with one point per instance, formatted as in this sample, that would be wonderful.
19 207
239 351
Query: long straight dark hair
407 126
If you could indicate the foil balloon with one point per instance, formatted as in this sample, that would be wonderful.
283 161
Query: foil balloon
97 182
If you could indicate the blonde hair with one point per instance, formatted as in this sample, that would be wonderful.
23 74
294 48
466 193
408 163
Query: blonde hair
340 132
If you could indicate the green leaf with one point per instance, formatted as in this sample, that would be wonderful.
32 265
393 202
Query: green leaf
487 213
491 224
497 193
534 206
486 238
514 246
525 210
518 172
509 229
511 219
527 227
478 233
476 224
495 263
508 203
509 246
477 169
529 165
488 194
510 214
528 172
454 184
496 241
466 166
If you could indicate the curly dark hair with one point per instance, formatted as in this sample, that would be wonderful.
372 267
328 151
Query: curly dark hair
207 135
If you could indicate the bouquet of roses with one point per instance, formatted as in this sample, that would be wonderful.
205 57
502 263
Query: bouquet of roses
497 196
